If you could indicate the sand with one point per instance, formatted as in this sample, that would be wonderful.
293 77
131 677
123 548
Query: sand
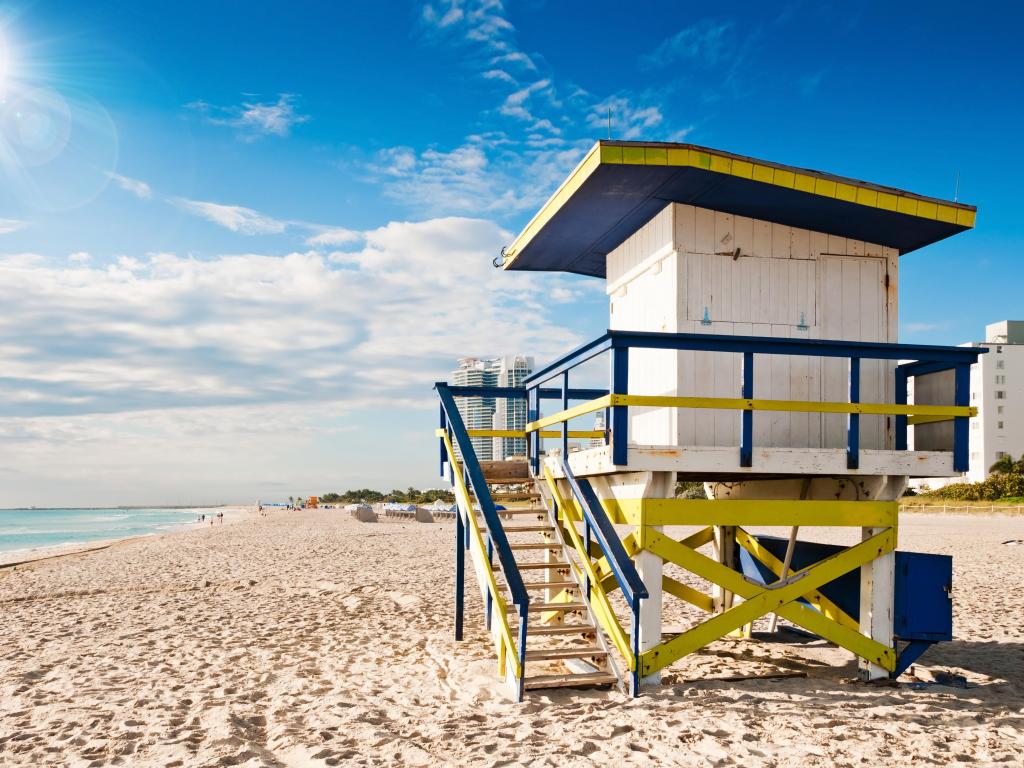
309 639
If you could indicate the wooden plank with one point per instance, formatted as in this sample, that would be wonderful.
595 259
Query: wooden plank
569 681
556 607
553 654
561 629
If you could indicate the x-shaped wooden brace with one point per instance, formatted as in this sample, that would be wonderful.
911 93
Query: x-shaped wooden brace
758 600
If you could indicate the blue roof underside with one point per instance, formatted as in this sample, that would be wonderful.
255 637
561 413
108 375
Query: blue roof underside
616 200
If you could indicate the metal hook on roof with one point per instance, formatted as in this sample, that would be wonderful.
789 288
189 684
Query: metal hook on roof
499 261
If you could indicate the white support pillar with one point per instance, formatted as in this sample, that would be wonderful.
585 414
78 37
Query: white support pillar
877 586
644 485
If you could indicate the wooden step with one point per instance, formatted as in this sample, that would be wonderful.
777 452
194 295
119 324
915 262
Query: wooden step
523 495
558 629
552 585
560 607
569 681
526 547
523 511
506 472
528 528
535 566
553 654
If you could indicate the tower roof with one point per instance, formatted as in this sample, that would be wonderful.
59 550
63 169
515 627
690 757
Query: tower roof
620 185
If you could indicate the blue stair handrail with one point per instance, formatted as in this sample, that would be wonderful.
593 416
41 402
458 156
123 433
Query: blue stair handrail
622 565
497 540
495 531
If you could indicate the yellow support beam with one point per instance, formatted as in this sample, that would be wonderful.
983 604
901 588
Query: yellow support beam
689 594
574 433
750 512
582 409
799 406
816 598
759 601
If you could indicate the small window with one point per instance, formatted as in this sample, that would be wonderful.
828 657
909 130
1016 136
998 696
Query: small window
999 425
1001 454
1000 364
1000 394
999 410
999 350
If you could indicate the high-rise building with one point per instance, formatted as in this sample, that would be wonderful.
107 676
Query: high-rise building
477 412
511 414
997 391
489 412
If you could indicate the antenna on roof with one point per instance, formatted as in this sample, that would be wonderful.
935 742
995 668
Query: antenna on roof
609 123
956 191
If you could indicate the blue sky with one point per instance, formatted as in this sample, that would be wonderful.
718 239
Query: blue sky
239 241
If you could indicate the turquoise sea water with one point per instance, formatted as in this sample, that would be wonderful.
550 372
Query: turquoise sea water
32 528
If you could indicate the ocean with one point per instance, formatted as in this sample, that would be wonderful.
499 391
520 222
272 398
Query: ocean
32 528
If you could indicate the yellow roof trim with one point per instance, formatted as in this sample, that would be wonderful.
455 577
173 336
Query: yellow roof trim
717 161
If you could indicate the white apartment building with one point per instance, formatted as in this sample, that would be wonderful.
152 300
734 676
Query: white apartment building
511 414
997 391
489 412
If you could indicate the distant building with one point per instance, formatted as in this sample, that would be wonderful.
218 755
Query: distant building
511 414
477 412
599 426
997 391
489 412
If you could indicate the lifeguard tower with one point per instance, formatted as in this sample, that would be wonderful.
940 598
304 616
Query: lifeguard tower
753 346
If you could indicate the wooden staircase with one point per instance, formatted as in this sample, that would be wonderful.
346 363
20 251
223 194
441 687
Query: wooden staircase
565 647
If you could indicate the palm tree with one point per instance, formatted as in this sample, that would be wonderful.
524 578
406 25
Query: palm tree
1005 465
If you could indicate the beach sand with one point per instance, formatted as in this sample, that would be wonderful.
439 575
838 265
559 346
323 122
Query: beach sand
308 639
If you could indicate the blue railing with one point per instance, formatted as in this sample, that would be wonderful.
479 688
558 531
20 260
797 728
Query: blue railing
497 541
597 523
924 359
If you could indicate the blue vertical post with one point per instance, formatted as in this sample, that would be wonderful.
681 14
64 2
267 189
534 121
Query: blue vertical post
586 545
460 569
747 417
465 527
490 597
962 397
443 423
901 399
635 677
853 419
565 407
533 439
620 415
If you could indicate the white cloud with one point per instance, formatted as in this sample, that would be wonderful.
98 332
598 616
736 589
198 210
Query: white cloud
628 122
170 379
703 43
254 118
163 331
80 257
138 188
237 218
334 236
10 225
